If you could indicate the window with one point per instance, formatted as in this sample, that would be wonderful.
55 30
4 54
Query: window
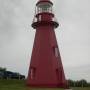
57 73
32 73
44 7
56 52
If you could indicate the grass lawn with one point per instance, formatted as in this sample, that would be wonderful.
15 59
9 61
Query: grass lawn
20 85
12 85
84 88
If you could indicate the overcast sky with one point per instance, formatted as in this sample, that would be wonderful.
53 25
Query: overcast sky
73 35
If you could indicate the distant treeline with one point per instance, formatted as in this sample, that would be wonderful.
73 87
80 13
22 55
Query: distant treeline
78 83
4 74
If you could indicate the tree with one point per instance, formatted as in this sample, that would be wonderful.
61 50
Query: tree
2 69
83 83
78 83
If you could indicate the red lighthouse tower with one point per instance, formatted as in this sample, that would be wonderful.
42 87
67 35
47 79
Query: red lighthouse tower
46 69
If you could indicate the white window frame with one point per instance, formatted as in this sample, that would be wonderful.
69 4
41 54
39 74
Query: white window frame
56 52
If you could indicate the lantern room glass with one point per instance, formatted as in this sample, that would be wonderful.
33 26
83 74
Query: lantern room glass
44 7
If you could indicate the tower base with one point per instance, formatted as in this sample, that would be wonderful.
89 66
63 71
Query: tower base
48 86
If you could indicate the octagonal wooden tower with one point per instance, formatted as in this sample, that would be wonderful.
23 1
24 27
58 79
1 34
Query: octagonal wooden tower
46 69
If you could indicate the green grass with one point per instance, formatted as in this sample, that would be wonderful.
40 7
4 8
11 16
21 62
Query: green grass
81 88
20 85
12 85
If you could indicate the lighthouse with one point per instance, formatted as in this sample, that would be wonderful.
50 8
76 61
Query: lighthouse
46 69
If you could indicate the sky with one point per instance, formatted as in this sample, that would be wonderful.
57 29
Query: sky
73 35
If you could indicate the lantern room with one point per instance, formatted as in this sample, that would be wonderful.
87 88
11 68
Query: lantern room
44 14
44 6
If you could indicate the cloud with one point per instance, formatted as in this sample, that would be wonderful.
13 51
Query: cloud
78 73
7 15
73 33
15 34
